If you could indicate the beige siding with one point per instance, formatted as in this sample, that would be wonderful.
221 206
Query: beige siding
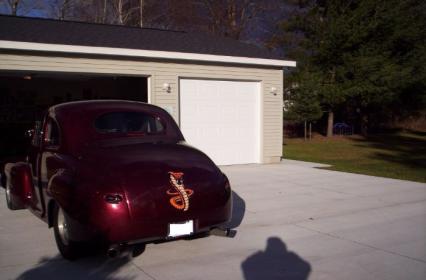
163 72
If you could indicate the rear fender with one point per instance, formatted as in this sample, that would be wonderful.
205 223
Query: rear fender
64 193
19 179
60 188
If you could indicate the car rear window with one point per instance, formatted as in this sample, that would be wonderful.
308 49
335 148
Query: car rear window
129 123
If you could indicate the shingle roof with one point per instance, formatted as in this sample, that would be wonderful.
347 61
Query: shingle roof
37 30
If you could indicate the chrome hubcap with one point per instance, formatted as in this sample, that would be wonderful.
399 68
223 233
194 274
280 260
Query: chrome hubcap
7 192
63 227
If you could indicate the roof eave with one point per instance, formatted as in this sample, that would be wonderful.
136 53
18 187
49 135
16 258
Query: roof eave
75 49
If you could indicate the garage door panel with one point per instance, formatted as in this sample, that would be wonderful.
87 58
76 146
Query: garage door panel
222 119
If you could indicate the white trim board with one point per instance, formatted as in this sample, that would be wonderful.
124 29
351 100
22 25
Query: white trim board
28 46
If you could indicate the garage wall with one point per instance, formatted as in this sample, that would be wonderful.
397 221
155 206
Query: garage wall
162 72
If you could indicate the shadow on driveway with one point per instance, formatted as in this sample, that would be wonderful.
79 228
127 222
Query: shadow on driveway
238 211
275 263
94 268
97 267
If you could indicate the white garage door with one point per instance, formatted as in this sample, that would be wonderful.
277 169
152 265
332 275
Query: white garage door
222 119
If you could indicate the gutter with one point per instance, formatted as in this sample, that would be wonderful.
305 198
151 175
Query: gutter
76 49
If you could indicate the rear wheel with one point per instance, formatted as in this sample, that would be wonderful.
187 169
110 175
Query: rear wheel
68 248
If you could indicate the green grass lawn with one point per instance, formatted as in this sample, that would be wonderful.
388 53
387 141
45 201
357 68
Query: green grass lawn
399 155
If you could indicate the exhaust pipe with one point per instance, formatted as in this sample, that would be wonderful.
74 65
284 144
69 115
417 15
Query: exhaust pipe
117 250
113 251
224 232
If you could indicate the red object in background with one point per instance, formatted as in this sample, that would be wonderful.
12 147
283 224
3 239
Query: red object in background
118 172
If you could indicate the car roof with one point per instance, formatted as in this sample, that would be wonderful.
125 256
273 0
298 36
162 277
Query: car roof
100 105
76 120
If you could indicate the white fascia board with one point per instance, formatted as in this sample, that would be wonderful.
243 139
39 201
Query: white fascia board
28 46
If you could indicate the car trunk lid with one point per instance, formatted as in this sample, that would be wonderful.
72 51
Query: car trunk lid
165 182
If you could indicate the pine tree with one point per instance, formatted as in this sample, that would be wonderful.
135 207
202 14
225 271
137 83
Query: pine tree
366 54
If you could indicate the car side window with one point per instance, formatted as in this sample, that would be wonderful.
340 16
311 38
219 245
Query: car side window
51 134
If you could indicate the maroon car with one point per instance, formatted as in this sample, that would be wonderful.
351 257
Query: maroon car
119 172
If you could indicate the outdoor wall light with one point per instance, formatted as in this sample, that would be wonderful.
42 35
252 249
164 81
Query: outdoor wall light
274 90
167 88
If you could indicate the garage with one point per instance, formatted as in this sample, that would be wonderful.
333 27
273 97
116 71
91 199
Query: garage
226 95
222 118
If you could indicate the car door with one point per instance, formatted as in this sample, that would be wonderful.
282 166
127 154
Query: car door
33 159
47 160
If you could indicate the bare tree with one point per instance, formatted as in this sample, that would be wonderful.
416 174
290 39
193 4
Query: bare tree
61 9
13 6
83 10
64 8
231 17
98 10
141 8
125 11
120 11
21 7
104 11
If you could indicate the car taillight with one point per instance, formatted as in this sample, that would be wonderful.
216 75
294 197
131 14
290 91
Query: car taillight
227 186
113 198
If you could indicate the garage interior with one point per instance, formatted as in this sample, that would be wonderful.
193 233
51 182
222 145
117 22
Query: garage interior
24 97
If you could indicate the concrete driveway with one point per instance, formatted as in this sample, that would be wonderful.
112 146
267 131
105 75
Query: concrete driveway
294 222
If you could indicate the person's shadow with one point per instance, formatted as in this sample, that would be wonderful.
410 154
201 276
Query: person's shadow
275 263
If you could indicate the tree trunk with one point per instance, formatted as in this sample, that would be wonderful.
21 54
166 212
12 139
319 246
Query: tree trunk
104 12
364 125
330 123
120 12
63 10
304 131
310 131
141 13
14 7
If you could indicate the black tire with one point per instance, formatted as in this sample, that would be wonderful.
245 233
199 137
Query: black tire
69 249
9 202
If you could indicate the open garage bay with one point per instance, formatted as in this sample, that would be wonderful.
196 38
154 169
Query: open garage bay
26 95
